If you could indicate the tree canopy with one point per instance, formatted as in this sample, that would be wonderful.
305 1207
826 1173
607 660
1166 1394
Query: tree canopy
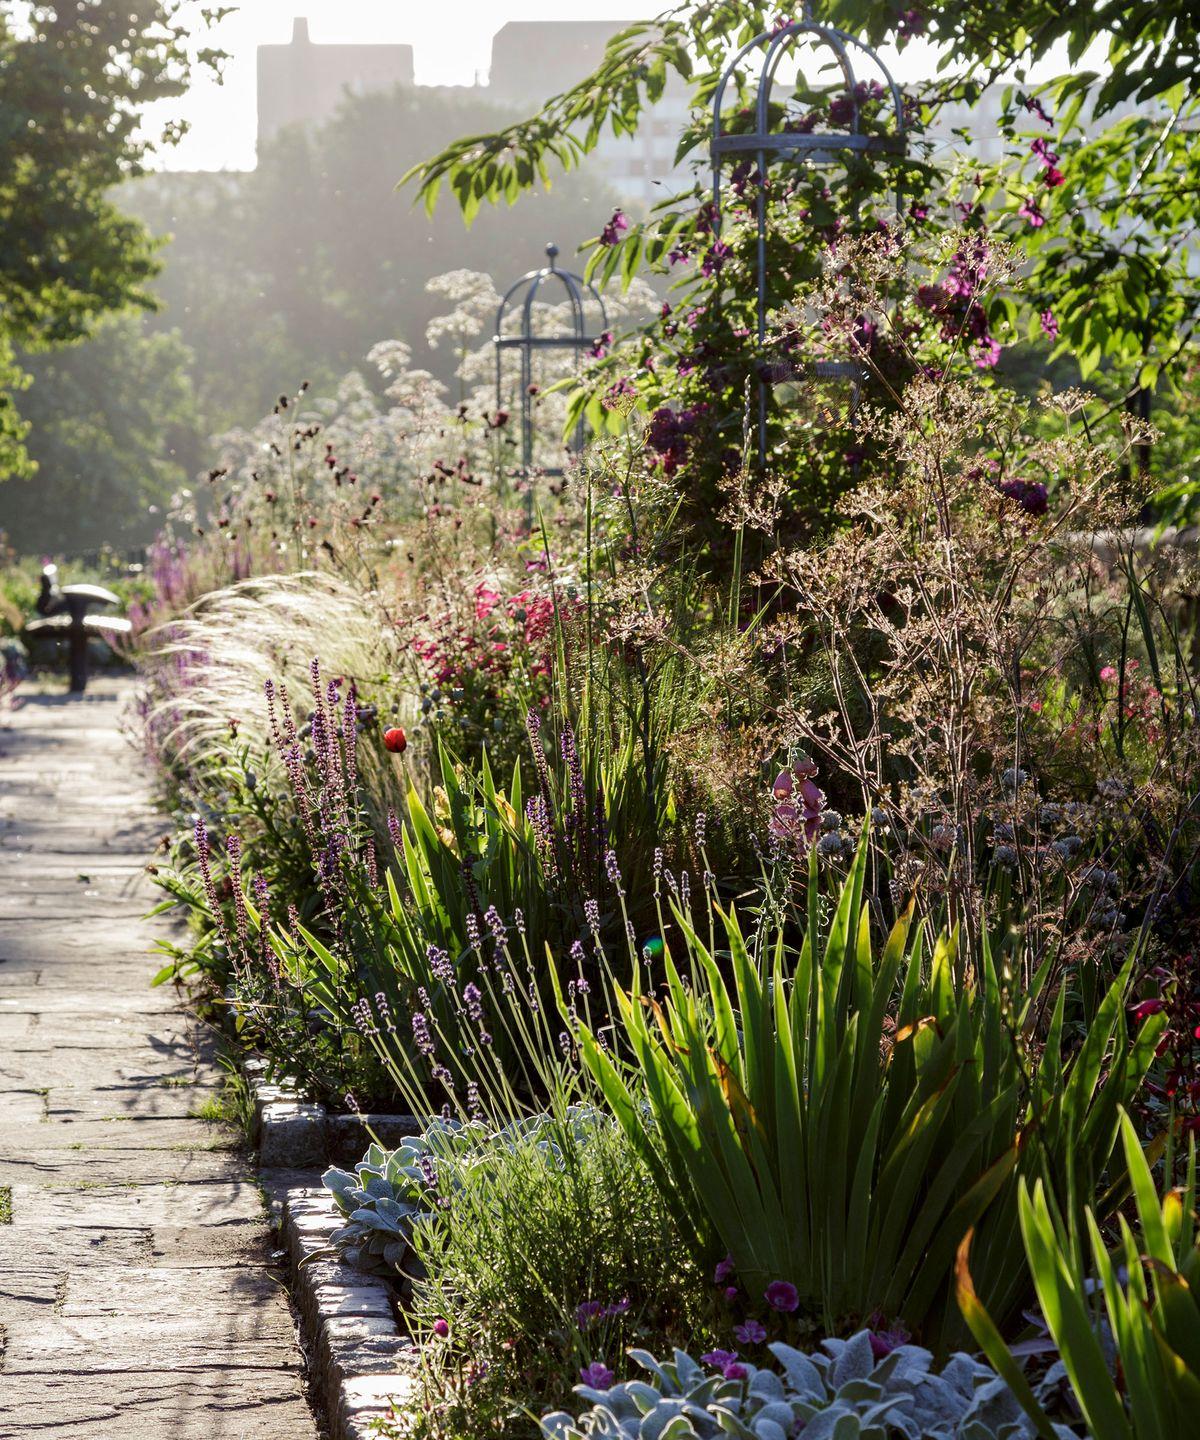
74 83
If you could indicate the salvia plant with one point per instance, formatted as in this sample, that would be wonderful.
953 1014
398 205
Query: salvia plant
835 1124
844 1391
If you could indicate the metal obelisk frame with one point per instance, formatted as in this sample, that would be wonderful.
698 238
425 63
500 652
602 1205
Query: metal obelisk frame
580 295
824 148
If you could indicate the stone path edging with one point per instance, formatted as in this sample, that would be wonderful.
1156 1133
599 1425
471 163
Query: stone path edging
362 1363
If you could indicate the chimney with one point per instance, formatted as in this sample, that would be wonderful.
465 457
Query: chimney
300 30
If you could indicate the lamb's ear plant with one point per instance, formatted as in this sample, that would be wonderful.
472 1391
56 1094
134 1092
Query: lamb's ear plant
842 1390
840 1121
1139 1307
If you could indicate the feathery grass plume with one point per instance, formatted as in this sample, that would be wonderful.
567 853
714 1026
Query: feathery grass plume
230 643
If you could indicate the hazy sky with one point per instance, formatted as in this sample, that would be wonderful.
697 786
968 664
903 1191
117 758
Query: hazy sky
451 40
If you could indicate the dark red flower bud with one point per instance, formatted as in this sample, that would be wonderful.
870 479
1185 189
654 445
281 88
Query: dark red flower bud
395 740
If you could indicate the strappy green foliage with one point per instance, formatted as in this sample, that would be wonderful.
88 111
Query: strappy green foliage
840 1119
1150 1288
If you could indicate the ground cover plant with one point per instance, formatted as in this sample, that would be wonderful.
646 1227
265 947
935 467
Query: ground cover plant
769 877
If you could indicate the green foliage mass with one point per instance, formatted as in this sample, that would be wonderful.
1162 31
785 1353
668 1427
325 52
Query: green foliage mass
113 433
74 81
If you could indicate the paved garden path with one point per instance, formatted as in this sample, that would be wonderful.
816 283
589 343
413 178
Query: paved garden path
136 1300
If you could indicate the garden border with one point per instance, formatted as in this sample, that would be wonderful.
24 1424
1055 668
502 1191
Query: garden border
362 1364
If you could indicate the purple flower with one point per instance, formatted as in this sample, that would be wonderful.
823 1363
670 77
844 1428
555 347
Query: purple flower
714 258
987 354
441 1327
496 925
753 1332
612 231
1030 211
725 1271
1049 324
1031 495
1034 106
782 1295
719 1358
597 1375
473 1000
883 1342
731 1292
440 964
587 1312
842 110
734 1371
912 22
420 1030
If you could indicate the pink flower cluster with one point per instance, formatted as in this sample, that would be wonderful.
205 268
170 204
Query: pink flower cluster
798 805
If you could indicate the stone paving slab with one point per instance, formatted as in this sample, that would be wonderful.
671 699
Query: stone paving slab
139 1298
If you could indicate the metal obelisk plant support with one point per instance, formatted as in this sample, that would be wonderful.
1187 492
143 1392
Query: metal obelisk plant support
519 300
828 147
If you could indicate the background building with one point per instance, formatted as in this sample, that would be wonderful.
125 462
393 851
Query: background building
303 83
